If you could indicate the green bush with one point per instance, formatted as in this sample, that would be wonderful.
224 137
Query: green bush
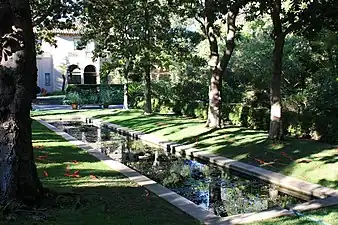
201 111
180 98
135 94
110 95
73 98
243 115
258 118
235 113
95 94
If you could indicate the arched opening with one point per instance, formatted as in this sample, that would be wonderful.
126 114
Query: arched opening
74 74
89 74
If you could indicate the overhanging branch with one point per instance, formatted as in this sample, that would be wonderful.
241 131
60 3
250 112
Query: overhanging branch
53 5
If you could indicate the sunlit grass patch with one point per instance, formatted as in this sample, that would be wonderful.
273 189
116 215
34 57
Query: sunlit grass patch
101 195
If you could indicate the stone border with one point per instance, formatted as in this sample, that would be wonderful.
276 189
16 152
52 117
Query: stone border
173 198
294 186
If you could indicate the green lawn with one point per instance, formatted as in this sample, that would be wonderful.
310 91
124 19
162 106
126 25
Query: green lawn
104 196
238 143
305 159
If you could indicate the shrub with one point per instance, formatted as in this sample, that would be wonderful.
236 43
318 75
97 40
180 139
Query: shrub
73 98
135 94
243 115
109 95
235 112
258 118
96 94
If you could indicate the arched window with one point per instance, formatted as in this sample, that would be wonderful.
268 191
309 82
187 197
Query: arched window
74 74
89 74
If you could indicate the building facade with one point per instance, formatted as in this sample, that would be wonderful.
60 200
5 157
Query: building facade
65 64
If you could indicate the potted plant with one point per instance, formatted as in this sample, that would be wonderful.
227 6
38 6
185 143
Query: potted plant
74 99
105 97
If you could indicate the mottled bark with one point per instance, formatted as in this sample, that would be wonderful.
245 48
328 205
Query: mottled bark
276 128
214 108
219 68
147 90
63 82
18 174
125 96
147 80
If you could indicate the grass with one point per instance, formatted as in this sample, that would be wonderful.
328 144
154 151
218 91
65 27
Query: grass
305 159
327 215
104 196
242 144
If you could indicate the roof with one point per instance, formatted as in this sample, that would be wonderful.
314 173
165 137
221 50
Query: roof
78 25
67 31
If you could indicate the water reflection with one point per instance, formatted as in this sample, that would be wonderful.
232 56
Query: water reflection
208 186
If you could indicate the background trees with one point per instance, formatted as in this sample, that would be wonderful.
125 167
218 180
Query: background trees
131 34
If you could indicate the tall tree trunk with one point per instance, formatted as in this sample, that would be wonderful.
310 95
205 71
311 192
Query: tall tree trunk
147 80
219 69
214 108
18 74
276 128
125 95
230 42
63 82
147 90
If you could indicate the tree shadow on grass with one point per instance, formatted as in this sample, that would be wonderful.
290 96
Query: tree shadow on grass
146 124
103 196
53 113
245 145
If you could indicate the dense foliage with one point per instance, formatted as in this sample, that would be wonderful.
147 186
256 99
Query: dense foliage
309 86
136 35
87 94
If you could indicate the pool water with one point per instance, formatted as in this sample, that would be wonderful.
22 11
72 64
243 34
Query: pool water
213 188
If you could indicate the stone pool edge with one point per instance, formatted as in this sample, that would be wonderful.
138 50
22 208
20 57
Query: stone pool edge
290 183
173 198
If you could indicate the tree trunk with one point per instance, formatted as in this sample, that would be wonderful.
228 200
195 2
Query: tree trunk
230 43
147 90
63 82
125 95
18 174
219 70
147 81
214 109
276 128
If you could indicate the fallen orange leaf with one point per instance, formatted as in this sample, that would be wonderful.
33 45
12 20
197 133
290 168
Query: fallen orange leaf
45 173
260 161
72 175
286 155
41 157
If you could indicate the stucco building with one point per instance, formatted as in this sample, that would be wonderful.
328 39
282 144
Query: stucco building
58 61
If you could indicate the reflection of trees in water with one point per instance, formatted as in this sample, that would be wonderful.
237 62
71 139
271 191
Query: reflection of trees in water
207 186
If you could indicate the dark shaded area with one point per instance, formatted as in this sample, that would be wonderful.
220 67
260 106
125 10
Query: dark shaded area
90 74
109 199
242 144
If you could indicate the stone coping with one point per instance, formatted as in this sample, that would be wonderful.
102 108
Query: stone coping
180 202
295 186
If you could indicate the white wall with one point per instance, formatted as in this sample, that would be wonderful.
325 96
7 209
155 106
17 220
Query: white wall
55 60
45 65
